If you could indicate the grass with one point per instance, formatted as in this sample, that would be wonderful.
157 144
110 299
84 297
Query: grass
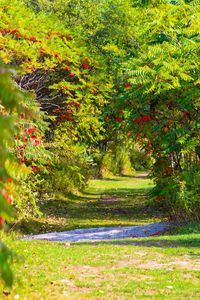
109 202
162 267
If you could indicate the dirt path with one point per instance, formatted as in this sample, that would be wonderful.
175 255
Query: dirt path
104 233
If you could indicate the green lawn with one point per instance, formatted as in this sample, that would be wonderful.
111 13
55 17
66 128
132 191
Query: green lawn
163 267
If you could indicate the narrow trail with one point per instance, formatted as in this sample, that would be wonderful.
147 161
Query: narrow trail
104 233
112 232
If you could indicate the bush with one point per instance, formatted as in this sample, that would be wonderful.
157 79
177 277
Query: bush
139 159
179 195
116 161
69 171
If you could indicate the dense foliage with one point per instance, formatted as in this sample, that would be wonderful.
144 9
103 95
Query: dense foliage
114 86
164 93
12 104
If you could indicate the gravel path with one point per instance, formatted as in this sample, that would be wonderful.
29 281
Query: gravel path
104 233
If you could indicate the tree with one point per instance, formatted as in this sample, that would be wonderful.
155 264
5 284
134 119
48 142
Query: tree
163 100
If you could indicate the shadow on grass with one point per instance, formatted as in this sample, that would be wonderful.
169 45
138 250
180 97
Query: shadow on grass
144 175
141 176
119 191
131 207
62 215
122 177
110 179
95 207
33 226
159 243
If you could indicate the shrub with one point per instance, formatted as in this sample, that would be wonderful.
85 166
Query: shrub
179 195
116 161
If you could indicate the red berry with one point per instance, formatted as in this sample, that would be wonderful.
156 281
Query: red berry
2 221
6 196
37 142
32 39
13 31
35 169
85 66
9 180
30 130
128 85
138 120
42 51
146 118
